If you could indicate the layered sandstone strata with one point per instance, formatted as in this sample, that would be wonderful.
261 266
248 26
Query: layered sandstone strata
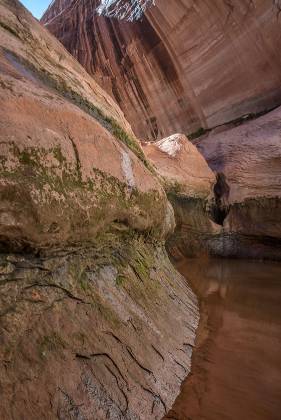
95 321
185 65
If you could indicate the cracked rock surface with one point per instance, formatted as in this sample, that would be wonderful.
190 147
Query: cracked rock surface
95 322
89 337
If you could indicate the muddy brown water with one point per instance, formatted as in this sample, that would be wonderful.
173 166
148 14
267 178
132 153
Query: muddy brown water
236 366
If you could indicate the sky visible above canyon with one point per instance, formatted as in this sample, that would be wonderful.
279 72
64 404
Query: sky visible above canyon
112 8
36 7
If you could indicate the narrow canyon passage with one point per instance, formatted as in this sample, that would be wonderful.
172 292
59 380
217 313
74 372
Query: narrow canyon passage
236 370
131 130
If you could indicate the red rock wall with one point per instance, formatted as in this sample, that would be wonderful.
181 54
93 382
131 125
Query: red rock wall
187 64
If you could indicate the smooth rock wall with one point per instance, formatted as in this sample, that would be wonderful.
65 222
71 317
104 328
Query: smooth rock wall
185 65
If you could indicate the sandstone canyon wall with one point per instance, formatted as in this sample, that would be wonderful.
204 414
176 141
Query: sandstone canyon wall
231 208
247 161
185 65
189 184
95 323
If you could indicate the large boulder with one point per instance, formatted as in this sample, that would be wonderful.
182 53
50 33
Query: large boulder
70 163
95 321
189 183
178 161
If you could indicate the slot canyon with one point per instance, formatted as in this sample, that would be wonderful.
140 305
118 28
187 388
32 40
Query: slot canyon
140 209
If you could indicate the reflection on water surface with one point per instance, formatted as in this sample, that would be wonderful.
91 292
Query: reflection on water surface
236 372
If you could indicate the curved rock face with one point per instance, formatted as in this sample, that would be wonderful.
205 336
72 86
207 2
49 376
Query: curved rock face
189 184
178 161
95 322
232 209
185 65
247 161
66 176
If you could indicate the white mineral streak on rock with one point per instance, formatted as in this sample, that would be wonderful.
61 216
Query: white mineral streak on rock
124 9
127 169
129 10
170 145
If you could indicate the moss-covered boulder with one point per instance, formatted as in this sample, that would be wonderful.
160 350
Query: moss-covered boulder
95 323
69 162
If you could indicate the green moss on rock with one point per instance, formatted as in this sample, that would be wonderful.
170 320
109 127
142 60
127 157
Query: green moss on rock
63 88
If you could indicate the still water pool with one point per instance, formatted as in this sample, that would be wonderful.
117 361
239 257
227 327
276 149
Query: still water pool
236 373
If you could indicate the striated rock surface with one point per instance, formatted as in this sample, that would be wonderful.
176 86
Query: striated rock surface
189 183
95 322
247 161
185 65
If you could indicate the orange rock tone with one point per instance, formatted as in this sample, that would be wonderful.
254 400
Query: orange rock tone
185 65
95 322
